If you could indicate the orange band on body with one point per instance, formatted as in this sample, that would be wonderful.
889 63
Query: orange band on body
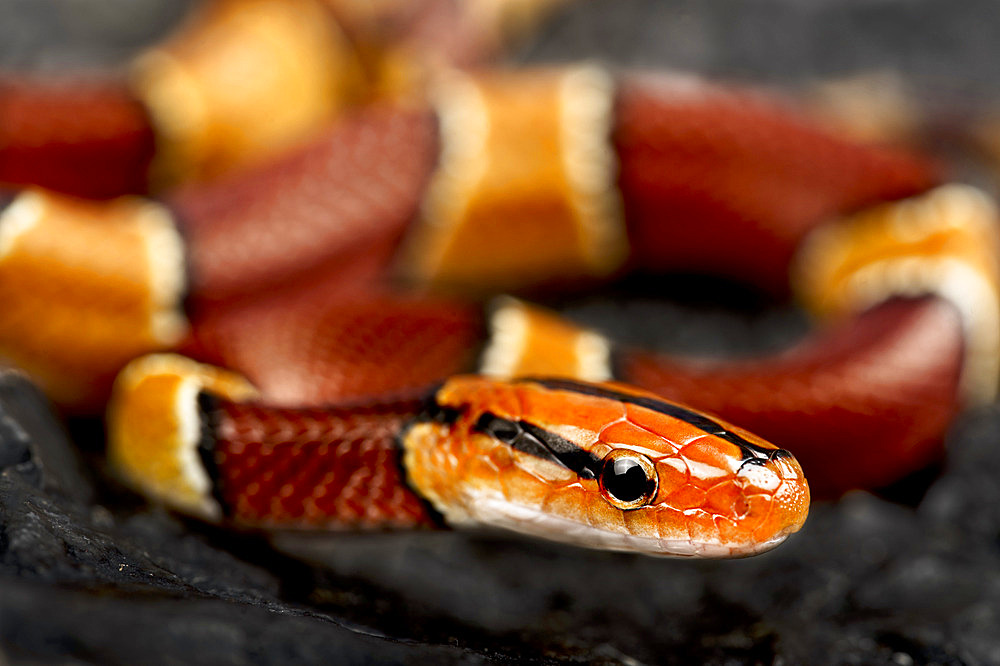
86 287
944 242
154 428
528 341
244 81
525 187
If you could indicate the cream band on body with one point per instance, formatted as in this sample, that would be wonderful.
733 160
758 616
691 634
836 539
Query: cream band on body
944 242
87 286
154 428
526 183
243 81
526 340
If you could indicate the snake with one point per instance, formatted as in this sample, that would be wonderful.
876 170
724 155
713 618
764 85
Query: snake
596 465
340 390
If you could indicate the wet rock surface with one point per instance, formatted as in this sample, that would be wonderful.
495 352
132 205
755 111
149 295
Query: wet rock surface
88 573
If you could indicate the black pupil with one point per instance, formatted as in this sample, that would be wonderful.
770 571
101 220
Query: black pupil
625 479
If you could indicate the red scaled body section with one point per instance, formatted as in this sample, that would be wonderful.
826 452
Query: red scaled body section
90 139
723 181
315 468
316 351
859 406
351 192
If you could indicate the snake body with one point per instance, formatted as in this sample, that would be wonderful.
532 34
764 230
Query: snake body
298 309
279 274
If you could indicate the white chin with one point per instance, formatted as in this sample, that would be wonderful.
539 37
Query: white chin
499 512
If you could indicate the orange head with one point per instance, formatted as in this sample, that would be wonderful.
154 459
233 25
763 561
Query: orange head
602 465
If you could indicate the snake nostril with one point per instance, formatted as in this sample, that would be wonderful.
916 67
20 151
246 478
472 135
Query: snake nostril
759 475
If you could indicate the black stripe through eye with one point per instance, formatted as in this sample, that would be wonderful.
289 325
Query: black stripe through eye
541 443
753 454
569 454
506 431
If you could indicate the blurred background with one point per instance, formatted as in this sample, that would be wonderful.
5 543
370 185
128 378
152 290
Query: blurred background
932 42
910 575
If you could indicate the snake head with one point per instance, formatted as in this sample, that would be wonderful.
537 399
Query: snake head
602 465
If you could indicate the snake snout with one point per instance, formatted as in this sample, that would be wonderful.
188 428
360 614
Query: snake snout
777 496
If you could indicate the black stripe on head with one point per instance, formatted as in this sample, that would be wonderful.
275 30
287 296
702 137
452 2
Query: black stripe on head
751 453
434 412
530 439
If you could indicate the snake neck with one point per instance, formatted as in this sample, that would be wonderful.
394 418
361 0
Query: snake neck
309 468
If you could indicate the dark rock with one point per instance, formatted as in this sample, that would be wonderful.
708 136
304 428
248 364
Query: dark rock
968 498
46 623
33 444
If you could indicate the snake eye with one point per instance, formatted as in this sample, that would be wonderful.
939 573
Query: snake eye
628 479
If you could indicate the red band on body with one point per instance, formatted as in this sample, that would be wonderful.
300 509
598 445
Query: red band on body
87 139
726 182
352 191
310 350
859 405
313 468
